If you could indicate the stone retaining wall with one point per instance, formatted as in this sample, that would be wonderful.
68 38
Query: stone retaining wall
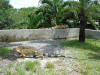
37 34
92 33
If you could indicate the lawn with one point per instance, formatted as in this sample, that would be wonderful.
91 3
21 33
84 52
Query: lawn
88 54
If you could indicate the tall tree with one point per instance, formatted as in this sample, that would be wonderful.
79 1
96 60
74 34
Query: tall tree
87 11
5 21
49 13
60 12
52 11
54 7
70 13
20 17
82 21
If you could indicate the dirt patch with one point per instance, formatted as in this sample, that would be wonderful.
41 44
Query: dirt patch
67 63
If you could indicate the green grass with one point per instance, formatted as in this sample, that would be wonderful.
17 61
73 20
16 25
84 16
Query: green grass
50 65
32 65
50 72
5 51
20 69
35 70
90 44
8 72
88 54
10 65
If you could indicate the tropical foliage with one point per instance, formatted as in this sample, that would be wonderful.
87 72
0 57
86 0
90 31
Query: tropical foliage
5 21
50 13
60 12
87 8
20 17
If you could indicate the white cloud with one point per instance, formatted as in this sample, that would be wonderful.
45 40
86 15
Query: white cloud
24 3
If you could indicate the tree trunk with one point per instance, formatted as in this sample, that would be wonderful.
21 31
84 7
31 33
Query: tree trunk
82 25
99 23
82 34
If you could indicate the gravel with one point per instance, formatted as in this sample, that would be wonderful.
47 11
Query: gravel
50 46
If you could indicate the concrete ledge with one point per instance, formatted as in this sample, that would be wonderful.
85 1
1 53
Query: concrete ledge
37 34
92 33
44 34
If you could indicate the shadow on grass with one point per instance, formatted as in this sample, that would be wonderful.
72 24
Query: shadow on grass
88 45
94 56
91 48
91 56
7 53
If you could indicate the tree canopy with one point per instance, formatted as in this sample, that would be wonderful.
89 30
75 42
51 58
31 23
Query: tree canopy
60 12
50 13
5 21
20 17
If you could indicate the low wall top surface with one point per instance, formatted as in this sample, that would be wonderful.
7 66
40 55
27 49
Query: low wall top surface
93 33
36 34
44 34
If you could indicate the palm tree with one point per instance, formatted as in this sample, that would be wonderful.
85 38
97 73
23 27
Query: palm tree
82 21
57 12
83 11
70 13
87 10
35 20
96 16
53 10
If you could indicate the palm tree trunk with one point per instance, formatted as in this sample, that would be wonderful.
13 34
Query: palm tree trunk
82 25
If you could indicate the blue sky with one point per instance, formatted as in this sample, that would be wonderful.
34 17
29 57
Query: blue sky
24 3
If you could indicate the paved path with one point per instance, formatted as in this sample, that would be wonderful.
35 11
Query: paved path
49 46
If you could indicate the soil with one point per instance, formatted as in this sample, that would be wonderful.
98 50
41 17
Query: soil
66 63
